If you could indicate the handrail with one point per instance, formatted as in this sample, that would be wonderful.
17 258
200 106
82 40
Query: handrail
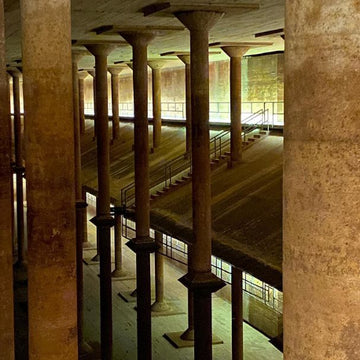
218 144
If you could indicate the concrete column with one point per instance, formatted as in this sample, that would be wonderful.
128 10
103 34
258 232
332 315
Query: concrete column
237 313
156 66
103 219
200 279
235 53
321 273
80 203
86 243
189 334
115 72
118 271
82 76
50 179
92 74
186 60
142 244
19 169
160 304
6 230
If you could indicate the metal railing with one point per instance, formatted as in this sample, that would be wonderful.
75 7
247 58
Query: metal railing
166 174
219 111
177 250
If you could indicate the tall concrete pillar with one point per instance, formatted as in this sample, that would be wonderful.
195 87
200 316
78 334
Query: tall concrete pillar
81 205
236 50
103 220
321 273
92 74
50 179
118 271
160 304
115 72
237 313
186 60
199 278
6 230
19 170
156 66
235 53
86 242
142 245
82 76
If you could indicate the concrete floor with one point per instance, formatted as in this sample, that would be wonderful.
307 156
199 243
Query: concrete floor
256 345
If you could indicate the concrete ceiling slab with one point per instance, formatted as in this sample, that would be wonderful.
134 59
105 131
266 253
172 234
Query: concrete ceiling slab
91 14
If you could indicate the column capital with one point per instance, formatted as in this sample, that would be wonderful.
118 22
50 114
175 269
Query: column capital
83 74
100 47
137 35
156 64
78 54
199 20
91 72
116 69
13 72
237 49
185 59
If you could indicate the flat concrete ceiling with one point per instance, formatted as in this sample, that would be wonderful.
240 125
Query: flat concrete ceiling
89 14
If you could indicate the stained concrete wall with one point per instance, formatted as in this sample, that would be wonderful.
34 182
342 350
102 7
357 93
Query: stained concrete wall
262 80
259 315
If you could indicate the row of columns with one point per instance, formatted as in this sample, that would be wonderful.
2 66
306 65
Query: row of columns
143 245
320 281
81 206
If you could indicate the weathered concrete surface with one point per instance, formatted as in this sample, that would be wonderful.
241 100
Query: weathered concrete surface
262 80
115 72
259 248
199 277
122 156
6 232
50 180
246 212
156 66
103 220
82 76
322 181
142 243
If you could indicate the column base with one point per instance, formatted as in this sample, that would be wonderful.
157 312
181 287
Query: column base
92 261
128 296
165 308
232 164
85 350
175 339
188 335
